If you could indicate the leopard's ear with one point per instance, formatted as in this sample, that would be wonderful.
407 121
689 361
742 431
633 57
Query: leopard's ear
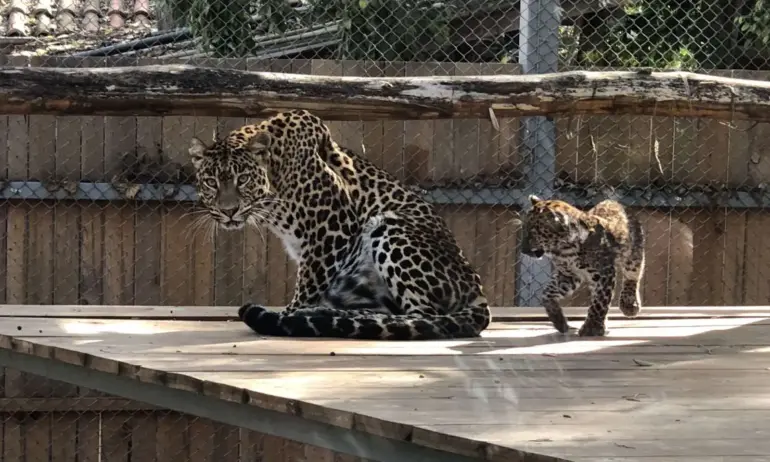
260 141
533 199
197 150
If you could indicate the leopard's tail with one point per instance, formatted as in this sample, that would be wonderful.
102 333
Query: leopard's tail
464 323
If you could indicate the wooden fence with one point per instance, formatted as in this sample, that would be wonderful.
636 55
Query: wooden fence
125 252
45 420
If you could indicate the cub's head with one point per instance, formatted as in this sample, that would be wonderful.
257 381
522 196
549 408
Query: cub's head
232 176
549 226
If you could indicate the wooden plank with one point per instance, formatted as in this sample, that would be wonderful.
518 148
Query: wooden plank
40 256
17 169
755 289
13 450
172 436
201 441
733 260
250 447
4 151
120 133
524 341
187 266
466 161
18 136
651 449
66 218
42 147
147 251
506 229
64 431
654 288
681 250
384 359
350 134
147 218
226 443
442 154
4 233
66 253
92 139
115 438
119 262
144 436
16 254
393 130
88 439
747 156
575 387
418 135
37 437
500 313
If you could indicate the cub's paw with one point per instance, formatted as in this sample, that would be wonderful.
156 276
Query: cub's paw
559 322
592 329
629 308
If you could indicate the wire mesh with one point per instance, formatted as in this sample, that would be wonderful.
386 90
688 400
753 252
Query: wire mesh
97 210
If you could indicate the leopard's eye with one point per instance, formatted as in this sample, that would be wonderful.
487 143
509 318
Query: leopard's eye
210 182
243 180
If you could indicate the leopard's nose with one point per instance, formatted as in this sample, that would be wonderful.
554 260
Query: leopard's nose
229 212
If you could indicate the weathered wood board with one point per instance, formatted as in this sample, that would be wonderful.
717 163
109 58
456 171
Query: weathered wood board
675 384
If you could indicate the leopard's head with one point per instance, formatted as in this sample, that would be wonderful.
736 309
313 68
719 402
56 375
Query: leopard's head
232 177
549 227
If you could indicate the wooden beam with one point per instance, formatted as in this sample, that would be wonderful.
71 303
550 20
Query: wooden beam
198 91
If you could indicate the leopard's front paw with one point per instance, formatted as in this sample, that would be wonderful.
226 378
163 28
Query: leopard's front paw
592 329
250 310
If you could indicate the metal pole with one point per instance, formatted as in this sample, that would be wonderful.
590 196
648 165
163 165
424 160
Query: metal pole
538 54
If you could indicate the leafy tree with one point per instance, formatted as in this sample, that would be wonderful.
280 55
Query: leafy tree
681 34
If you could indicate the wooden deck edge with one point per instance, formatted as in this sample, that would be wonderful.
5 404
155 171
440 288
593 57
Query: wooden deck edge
228 313
307 423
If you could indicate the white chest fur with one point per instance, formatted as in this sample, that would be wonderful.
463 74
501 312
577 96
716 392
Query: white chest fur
291 244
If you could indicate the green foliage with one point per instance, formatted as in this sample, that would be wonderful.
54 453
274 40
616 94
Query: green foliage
371 29
756 24
228 28
389 30
669 34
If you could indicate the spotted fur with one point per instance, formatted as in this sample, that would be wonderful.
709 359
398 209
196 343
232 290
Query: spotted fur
597 247
374 260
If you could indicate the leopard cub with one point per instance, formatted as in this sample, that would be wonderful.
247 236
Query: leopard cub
596 247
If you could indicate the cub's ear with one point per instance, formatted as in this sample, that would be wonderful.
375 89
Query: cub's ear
534 199
196 150
261 141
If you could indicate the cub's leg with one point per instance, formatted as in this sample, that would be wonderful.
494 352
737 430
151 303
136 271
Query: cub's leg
602 290
632 269
561 285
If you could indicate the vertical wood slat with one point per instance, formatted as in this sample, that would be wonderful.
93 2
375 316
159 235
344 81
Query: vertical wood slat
230 257
254 280
146 223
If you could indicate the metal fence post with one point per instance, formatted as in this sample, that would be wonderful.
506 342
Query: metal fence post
538 54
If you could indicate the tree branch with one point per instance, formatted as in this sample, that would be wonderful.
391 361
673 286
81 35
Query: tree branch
188 90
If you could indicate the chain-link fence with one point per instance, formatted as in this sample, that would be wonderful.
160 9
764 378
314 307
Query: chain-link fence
97 210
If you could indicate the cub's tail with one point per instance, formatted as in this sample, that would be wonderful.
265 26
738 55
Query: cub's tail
466 323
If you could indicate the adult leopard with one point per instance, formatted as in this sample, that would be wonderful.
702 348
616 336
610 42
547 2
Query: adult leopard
374 260
596 247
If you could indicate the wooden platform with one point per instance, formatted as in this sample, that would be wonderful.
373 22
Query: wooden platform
677 384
